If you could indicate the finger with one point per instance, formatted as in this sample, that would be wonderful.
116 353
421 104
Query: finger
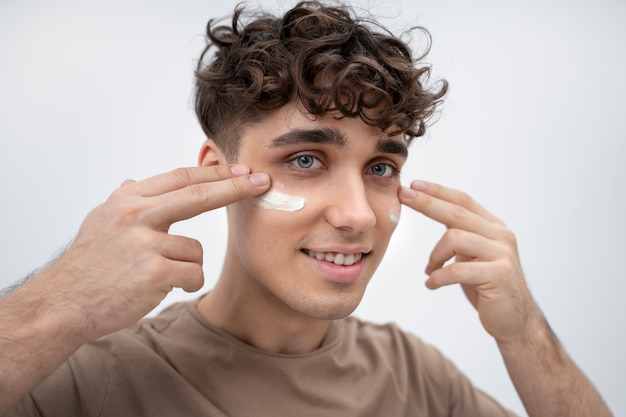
467 273
184 177
449 214
186 275
192 278
195 199
453 196
181 248
462 245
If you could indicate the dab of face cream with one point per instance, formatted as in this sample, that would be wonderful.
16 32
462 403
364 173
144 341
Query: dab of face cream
275 200
394 216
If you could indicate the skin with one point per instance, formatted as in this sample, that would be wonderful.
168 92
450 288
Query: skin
347 210
270 293
125 237
488 268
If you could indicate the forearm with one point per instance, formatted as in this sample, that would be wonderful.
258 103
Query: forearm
546 379
34 340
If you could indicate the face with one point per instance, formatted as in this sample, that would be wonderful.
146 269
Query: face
315 254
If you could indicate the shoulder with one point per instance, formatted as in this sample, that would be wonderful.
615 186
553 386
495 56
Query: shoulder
411 358
388 339
145 342
426 373
86 379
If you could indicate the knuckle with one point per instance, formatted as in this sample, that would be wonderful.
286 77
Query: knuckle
459 213
465 200
508 236
143 240
128 213
454 234
122 207
182 175
499 223
120 193
115 212
154 268
198 193
425 199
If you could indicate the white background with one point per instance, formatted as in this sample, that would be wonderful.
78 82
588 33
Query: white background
92 93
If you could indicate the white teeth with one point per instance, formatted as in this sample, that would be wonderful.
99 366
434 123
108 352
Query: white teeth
336 258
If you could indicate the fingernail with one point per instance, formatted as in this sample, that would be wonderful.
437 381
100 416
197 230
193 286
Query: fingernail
408 193
260 178
419 185
239 170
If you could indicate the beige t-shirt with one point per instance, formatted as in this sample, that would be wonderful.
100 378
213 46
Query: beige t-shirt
177 364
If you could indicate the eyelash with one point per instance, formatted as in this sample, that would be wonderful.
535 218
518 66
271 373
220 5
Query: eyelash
392 171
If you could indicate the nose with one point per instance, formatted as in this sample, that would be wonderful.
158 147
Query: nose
348 206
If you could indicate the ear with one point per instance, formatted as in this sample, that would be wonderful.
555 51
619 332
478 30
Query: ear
210 154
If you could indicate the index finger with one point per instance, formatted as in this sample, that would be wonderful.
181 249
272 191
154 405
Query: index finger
455 197
183 177
452 208
195 199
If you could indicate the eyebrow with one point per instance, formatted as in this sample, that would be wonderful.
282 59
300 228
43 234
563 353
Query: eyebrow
324 136
393 147
332 136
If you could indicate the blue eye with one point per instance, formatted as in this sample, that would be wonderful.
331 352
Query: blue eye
305 161
382 170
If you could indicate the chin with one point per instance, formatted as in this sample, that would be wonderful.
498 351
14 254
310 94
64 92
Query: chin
332 308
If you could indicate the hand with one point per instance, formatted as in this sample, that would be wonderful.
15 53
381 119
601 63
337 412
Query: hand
486 261
123 262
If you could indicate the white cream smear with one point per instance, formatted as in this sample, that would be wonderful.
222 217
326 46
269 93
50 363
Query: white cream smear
394 215
275 200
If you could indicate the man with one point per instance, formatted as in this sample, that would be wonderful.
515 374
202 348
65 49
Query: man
309 118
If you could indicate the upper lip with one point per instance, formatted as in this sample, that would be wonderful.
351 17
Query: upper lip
342 249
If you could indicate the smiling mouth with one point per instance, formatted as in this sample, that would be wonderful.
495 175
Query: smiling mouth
334 257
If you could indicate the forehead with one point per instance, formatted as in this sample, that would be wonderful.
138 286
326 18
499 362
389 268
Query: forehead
292 125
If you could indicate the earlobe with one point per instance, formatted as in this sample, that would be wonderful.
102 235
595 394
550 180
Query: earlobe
210 154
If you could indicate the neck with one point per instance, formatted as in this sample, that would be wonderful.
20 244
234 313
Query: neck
241 307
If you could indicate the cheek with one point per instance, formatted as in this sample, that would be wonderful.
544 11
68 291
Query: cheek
387 206
394 212
267 217
279 201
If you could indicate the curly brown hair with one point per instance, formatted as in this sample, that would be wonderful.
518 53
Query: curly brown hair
326 56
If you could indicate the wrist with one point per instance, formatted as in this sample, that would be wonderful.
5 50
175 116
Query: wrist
40 311
536 342
534 331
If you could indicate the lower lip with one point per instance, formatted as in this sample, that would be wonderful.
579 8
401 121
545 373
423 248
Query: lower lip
338 273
